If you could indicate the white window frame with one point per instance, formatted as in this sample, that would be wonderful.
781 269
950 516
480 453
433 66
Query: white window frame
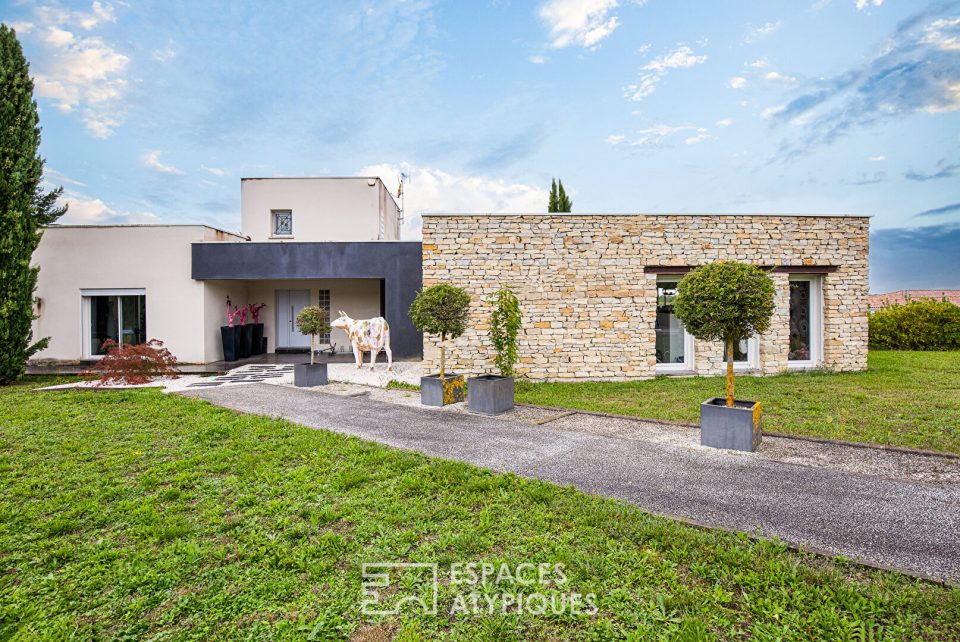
85 295
753 356
273 224
687 366
816 322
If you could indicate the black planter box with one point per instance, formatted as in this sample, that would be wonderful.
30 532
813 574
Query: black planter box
490 394
306 375
263 346
246 340
434 392
737 428
257 345
230 337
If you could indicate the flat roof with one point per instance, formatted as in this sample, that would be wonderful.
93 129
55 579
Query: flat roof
101 225
645 214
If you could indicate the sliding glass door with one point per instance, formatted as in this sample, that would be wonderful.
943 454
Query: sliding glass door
120 315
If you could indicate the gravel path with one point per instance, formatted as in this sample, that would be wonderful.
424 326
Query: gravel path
888 522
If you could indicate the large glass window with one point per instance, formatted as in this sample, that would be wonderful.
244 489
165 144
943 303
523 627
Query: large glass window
806 323
800 347
673 344
122 318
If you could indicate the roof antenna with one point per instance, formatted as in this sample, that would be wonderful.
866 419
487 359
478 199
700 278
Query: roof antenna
401 193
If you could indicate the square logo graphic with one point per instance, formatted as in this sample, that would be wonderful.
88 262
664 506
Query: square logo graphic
383 594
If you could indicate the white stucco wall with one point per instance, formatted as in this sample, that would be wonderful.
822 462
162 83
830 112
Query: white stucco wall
155 258
360 298
324 209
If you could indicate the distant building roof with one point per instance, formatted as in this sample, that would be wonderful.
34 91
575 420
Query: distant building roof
902 296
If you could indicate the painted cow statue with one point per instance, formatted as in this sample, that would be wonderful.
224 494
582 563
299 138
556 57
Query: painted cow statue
366 335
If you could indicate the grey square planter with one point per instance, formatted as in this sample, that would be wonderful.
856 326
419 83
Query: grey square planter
306 375
490 394
432 390
737 428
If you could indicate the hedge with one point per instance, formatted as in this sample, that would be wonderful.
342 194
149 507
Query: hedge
917 325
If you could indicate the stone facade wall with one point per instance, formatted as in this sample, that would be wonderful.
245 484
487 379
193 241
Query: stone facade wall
589 306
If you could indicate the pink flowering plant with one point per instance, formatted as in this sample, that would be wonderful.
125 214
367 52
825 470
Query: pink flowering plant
255 311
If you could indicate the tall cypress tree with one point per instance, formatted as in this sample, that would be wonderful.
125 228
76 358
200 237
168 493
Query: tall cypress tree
24 207
554 201
564 204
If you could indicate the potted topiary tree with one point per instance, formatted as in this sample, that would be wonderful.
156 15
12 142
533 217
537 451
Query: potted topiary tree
441 310
728 302
492 394
312 320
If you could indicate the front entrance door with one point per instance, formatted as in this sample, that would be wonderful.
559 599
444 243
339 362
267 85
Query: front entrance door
289 304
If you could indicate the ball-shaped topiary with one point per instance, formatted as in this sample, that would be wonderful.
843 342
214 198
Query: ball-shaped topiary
313 320
442 310
725 301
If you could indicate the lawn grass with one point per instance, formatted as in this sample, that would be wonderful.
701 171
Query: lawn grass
137 515
905 399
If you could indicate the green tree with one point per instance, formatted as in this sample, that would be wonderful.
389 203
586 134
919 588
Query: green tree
442 310
25 207
554 200
728 302
559 201
505 321
313 320
564 204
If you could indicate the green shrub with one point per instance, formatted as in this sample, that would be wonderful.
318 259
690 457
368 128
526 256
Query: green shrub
916 325
505 324
725 301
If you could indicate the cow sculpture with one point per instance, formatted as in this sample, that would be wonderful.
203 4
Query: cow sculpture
366 335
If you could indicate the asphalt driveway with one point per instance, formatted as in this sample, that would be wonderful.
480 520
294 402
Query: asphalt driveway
910 526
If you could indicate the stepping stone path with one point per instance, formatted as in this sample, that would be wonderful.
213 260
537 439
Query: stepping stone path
253 373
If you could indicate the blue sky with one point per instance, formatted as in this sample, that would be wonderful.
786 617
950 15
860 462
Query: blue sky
153 111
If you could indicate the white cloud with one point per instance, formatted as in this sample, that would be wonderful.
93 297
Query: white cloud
151 159
770 112
77 72
433 190
658 135
863 4
776 76
875 159
699 137
82 209
655 70
538 59
763 31
52 177
164 55
579 22
737 82
934 34
216 171
726 122
760 63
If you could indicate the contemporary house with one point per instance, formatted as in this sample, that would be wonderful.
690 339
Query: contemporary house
597 290
332 242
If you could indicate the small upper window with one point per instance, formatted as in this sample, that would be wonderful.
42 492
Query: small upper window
282 223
